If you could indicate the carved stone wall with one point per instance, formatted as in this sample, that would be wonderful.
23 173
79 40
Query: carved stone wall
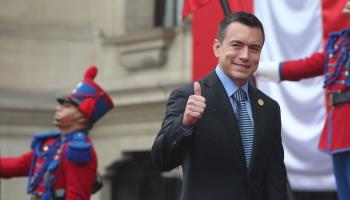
45 47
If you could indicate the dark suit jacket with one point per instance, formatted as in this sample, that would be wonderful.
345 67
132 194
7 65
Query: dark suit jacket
212 158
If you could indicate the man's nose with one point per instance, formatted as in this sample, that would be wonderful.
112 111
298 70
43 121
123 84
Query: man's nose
244 53
58 107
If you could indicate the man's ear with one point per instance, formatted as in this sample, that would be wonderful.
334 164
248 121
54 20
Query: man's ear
85 122
217 47
80 117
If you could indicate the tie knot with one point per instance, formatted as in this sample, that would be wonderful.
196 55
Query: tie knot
240 95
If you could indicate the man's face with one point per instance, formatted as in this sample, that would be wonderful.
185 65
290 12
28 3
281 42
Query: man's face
239 53
66 115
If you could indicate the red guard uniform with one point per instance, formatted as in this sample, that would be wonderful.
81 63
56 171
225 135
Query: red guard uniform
69 178
63 166
334 63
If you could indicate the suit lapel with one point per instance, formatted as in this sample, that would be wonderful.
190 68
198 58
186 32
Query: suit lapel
257 105
218 100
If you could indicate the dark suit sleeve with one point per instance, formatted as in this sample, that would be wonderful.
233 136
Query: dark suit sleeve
275 184
170 146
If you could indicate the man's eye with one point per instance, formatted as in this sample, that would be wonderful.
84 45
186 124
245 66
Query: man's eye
254 49
235 46
66 104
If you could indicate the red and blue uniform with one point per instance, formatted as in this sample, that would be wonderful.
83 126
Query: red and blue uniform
334 64
59 167
64 166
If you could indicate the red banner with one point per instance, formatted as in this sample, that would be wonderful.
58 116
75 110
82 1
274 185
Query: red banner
192 5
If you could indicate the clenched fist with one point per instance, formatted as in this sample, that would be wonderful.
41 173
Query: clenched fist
194 108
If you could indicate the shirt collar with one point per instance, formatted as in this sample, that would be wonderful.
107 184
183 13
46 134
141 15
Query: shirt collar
229 85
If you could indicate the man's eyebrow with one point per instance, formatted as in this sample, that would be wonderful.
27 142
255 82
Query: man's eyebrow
256 45
235 41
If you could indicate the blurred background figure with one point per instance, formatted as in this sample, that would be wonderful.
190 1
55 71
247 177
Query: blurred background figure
62 164
333 63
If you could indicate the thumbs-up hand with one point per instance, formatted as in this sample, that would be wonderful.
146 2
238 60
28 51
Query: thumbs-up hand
194 108
197 89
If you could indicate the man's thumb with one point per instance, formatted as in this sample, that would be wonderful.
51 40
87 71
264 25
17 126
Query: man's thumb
197 89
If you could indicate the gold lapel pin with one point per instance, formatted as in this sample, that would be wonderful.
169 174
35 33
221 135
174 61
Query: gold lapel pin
261 102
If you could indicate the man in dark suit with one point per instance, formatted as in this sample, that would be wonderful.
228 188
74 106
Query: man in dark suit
224 132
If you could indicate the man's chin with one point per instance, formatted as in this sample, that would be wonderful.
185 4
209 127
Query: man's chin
57 123
242 77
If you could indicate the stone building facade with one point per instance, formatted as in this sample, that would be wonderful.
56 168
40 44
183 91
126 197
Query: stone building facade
142 50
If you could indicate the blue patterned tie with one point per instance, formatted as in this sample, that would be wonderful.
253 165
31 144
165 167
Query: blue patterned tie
245 124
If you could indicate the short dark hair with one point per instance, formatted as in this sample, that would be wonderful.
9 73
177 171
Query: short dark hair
241 17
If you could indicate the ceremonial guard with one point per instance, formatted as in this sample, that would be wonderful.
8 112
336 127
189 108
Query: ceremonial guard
334 64
63 164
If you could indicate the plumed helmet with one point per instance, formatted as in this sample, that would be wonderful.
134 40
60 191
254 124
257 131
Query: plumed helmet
89 97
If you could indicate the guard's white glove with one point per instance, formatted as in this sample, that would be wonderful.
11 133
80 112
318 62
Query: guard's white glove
269 71
346 9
